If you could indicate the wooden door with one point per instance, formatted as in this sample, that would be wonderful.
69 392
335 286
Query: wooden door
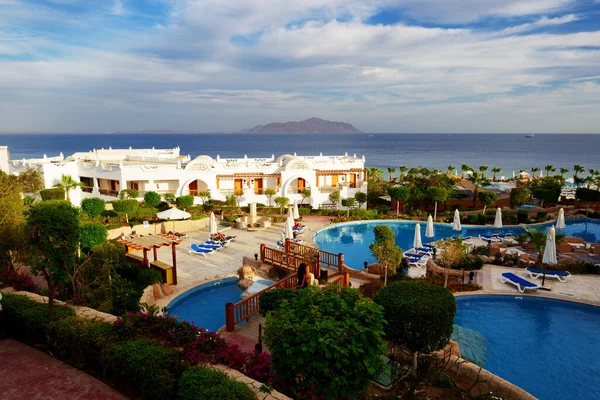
258 186
301 185
334 180
352 180
113 185
193 188
237 184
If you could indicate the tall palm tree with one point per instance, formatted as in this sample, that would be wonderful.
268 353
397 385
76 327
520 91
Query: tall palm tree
478 180
483 169
578 170
496 170
533 171
563 171
391 171
464 168
549 169
403 169
67 183
450 169
591 178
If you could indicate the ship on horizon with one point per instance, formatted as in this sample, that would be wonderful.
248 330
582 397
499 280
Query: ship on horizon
531 135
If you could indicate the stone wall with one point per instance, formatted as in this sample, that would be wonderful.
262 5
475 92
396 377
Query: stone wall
162 227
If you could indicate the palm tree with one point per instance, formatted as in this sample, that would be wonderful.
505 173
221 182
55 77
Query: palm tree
533 171
483 168
450 169
578 169
591 178
563 171
464 168
478 180
403 169
549 169
496 170
391 171
67 183
374 172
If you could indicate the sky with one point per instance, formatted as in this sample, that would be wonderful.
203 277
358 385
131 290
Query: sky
411 66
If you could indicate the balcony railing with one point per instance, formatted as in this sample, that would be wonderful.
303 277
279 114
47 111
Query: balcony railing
87 189
108 192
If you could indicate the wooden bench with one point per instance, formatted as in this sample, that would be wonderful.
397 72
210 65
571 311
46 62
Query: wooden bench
166 271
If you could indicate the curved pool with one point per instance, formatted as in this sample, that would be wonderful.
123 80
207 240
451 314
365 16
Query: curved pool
353 238
549 348
204 305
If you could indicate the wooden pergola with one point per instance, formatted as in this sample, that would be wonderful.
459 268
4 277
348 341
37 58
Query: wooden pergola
153 242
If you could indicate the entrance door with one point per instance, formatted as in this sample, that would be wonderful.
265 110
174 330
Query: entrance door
352 180
258 186
237 184
334 180
193 188
301 185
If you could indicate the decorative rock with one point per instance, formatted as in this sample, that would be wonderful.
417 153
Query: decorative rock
158 293
167 290
245 283
246 272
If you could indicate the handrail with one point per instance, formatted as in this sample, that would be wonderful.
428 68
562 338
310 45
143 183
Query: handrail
244 309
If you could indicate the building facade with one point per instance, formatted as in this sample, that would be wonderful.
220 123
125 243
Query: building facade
105 172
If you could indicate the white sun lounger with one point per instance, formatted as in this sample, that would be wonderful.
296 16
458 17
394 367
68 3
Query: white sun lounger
535 273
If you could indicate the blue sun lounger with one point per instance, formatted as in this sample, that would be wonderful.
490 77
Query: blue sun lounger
521 284
489 238
550 273
201 251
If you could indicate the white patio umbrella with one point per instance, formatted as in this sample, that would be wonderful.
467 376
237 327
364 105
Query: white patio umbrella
296 212
429 231
417 240
290 213
288 229
550 251
173 214
213 228
498 220
456 223
560 221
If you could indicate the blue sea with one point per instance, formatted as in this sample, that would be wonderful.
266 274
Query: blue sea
507 151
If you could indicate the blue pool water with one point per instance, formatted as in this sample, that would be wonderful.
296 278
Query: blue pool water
549 348
204 305
527 207
353 238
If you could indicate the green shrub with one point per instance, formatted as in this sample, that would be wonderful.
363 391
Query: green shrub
151 369
109 214
91 234
145 213
473 219
126 206
271 300
319 336
305 210
185 202
93 206
80 342
202 383
522 216
419 316
129 194
482 219
152 198
147 277
519 196
585 194
541 216
52 194
27 320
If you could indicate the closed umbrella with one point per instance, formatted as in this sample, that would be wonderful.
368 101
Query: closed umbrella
213 228
429 231
173 214
498 220
560 222
296 212
288 230
456 223
417 240
290 213
550 251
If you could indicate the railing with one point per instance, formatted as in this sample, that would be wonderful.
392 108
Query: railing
195 192
296 253
87 189
108 192
244 309
282 259
341 280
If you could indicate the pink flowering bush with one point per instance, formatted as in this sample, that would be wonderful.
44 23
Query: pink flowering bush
18 281
159 329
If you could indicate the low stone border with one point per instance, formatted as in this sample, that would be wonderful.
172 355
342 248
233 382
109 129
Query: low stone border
90 313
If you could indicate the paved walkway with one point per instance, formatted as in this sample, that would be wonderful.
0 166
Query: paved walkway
29 374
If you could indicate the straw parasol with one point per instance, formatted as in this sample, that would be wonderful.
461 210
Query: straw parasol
417 240
550 251
560 221
498 220
429 231
456 223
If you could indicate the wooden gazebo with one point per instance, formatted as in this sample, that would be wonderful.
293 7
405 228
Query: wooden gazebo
153 242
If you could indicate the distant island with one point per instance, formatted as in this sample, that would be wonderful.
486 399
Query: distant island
311 125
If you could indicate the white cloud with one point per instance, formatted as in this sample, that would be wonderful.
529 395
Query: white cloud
118 8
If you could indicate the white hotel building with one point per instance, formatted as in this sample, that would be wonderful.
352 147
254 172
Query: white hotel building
106 172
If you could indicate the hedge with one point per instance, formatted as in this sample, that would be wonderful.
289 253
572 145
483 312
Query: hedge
93 206
585 194
129 194
126 205
184 202
52 194
92 234
271 300
201 383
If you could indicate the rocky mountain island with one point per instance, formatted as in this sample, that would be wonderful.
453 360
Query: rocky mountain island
311 125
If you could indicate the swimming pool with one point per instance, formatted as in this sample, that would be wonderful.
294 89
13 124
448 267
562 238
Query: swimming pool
204 305
353 238
549 348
